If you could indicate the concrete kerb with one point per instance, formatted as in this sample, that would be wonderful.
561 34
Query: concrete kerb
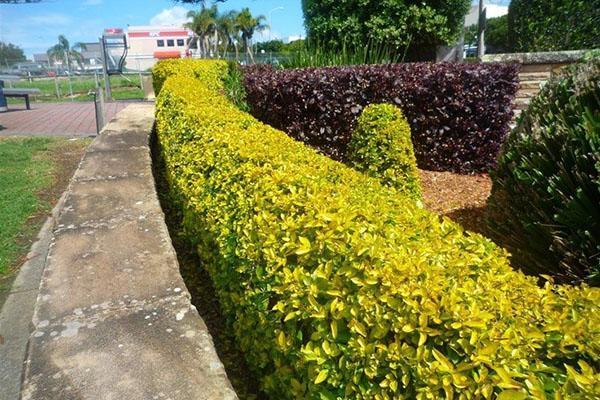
113 318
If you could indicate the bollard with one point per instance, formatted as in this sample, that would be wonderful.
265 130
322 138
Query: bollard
3 104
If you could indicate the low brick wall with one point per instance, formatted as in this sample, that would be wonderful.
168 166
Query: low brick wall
550 62
536 69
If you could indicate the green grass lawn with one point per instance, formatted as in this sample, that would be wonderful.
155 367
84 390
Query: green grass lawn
30 183
123 88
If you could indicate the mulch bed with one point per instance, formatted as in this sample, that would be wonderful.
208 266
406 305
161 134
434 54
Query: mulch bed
461 198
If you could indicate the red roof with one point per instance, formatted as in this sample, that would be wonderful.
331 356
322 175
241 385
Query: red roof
167 54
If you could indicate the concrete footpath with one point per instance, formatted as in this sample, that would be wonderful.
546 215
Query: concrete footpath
113 318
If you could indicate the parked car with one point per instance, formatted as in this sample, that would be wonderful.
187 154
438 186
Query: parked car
470 51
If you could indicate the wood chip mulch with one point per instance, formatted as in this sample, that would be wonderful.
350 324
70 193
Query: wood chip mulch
461 198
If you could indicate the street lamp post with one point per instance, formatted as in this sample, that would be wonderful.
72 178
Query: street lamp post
481 22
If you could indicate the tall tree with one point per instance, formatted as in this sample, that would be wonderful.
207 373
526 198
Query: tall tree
230 32
204 25
547 25
248 25
398 25
65 53
9 53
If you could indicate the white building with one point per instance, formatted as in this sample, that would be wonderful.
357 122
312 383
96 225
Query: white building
147 44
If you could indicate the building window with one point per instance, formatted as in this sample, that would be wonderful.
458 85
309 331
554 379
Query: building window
160 43
170 43
180 42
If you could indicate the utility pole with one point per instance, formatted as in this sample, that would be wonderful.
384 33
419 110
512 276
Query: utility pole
68 61
481 31
105 69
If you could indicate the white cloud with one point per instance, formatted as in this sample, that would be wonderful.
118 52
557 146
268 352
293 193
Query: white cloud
493 10
50 19
175 16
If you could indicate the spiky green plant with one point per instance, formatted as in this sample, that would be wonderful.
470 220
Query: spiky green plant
545 202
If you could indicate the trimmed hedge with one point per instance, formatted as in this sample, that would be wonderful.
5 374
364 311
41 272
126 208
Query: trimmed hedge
459 113
338 287
381 148
545 202
553 25
209 72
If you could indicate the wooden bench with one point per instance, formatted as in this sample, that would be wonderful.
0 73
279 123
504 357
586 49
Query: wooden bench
24 93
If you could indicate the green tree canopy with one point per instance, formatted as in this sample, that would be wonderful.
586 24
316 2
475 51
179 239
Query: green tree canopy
248 25
396 24
546 25
496 35
275 46
9 53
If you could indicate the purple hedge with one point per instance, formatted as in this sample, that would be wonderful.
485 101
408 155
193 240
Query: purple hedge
459 113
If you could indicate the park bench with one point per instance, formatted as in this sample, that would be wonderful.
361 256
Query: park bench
24 93
11 92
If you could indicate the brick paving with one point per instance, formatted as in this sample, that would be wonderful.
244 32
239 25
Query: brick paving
55 119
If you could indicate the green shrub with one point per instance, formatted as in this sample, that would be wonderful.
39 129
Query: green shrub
545 202
234 86
338 287
381 147
402 26
551 25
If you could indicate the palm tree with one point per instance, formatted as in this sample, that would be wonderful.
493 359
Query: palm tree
77 53
248 25
63 52
230 32
204 24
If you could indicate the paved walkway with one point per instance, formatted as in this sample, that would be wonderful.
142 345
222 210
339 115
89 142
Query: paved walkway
55 119
113 318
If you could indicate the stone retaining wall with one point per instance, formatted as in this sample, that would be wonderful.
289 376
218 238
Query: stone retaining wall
536 69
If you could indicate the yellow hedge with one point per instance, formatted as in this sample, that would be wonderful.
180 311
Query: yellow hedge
209 72
337 287
382 148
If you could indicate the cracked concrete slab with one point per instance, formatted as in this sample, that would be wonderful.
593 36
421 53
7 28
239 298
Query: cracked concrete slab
113 318
90 203
114 164
111 265
135 353
112 140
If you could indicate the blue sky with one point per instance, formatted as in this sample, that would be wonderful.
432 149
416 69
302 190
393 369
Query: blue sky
83 20
34 27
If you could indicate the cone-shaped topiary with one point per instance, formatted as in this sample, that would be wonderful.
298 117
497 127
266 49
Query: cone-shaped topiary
545 202
381 147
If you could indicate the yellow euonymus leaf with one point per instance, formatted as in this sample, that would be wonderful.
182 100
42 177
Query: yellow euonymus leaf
360 328
304 246
334 329
447 364
512 395
321 376
577 377
289 316
281 339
